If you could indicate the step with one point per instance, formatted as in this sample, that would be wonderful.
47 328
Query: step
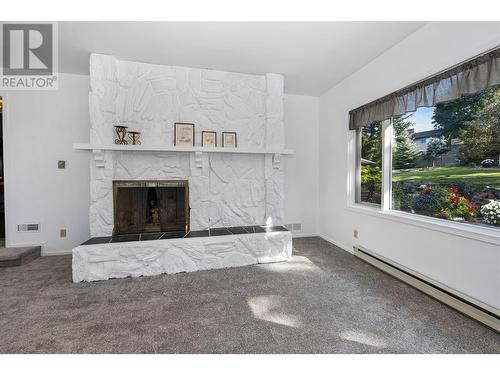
17 256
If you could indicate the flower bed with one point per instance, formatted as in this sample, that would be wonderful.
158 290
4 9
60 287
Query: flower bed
458 202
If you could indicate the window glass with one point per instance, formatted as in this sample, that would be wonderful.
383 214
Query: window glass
370 164
445 160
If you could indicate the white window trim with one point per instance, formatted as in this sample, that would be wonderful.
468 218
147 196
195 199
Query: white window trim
469 231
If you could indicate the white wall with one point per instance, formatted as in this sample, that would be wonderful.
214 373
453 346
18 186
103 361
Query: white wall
39 129
302 169
468 266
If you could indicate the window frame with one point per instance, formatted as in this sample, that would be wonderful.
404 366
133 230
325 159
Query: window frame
385 211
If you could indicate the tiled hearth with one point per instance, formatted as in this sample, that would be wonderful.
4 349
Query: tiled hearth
222 231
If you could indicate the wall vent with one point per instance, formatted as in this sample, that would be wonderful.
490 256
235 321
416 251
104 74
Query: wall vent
295 227
28 227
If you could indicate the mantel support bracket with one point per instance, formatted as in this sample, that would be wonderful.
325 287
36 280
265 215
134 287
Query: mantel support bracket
276 161
98 158
198 159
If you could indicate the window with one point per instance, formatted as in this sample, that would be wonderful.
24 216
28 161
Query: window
370 161
433 149
457 175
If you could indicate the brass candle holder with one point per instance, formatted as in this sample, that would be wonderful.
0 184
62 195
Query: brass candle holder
134 137
121 132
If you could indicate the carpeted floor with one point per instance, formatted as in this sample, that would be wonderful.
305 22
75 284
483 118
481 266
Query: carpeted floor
324 301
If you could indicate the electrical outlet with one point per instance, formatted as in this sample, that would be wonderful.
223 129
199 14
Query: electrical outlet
61 164
355 233
62 232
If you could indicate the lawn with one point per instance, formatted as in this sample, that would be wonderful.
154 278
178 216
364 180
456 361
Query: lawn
476 176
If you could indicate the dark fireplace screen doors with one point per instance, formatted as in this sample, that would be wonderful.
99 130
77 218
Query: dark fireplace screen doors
150 206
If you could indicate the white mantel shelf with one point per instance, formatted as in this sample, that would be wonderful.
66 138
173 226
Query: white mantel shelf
97 150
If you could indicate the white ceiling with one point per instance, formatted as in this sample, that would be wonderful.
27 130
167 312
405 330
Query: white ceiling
313 56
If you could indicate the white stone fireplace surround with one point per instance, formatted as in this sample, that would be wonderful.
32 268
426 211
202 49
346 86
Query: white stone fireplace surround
226 189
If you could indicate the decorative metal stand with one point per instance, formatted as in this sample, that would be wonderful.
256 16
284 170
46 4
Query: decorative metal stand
134 137
121 132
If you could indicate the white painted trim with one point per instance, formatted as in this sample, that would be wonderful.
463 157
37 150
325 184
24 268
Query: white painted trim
336 243
91 147
386 165
490 236
6 171
49 253
301 235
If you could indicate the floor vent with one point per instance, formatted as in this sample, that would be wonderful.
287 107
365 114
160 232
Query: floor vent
28 227
432 288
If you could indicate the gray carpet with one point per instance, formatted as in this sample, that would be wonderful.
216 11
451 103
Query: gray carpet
324 301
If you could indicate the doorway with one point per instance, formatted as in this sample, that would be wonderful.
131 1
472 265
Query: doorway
2 200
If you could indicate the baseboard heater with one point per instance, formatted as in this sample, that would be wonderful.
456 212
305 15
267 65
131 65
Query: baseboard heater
432 288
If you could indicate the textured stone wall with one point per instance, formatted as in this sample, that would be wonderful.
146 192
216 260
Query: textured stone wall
147 258
229 189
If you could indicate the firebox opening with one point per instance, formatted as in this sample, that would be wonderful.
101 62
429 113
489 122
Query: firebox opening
150 206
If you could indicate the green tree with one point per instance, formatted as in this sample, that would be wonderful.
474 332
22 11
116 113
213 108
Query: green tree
436 147
404 153
481 136
401 124
451 116
371 143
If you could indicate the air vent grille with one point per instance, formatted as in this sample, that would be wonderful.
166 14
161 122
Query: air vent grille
294 227
28 227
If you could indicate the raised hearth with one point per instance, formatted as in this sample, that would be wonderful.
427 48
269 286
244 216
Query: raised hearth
109 257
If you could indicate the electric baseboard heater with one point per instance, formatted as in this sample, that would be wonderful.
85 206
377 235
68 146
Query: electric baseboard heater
432 288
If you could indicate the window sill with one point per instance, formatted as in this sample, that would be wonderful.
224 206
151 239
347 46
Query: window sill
490 236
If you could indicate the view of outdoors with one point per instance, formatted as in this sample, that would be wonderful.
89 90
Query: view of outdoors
445 160
371 163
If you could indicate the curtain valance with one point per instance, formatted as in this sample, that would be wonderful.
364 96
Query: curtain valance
467 78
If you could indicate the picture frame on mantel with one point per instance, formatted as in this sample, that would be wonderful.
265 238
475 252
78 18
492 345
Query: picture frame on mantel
229 140
183 134
208 139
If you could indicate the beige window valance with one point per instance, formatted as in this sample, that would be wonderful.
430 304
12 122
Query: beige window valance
467 78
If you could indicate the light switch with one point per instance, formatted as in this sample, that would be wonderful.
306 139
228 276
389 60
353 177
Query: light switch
61 164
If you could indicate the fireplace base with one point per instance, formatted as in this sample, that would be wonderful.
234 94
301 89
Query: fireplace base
105 261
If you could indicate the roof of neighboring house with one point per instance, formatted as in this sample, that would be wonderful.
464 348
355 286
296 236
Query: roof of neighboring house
428 134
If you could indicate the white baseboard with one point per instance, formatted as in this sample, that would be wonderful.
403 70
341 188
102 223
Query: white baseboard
48 253
300 235
338 244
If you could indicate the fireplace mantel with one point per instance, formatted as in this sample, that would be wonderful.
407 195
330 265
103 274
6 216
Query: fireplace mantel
98 149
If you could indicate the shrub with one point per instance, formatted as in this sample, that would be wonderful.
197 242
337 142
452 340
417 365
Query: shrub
491 213
371 180
401 200
444 202
488 163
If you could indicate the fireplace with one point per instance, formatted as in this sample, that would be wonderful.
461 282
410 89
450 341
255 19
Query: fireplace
142 206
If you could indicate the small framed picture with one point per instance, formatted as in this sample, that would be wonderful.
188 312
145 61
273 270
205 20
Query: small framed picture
229 140
208 139
183 134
